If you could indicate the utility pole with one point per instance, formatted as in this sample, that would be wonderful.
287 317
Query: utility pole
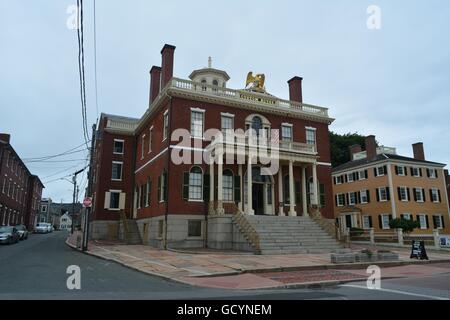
74 182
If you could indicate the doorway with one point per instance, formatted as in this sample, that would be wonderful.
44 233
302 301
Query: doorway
258 198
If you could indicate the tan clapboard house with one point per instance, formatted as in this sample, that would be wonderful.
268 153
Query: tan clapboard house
378 185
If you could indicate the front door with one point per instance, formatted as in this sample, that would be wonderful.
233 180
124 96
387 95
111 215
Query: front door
258 198
348 221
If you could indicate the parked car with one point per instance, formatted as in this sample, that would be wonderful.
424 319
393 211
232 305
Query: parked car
41 227
8 235
23 232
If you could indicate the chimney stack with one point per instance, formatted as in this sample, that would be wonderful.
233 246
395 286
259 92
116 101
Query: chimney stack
167 54
295 89
354 149
155 82
371 147
418 151
5 137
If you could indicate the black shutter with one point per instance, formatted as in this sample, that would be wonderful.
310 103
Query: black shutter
186 185
159 188
434 222
215 186
388 194
336 200
408 194
390 217
359 197
385 169
399 194
426 219
439 195
165 175
357 175
423 195
370 222
435 173
401 216
396 170
420 171
405 170
354 176
237 188
428 173
431 195
368 195
380 223
366 173
334 180
206 187
375 172
412 171
346 199
442 221
345 178
378 195
414 194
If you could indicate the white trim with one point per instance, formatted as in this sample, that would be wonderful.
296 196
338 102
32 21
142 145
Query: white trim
328 164
198 110
123 146
226 114
310 128
121 170
151 160
286 124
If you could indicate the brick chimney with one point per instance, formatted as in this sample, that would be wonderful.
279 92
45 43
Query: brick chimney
371 147
446 172
295 89
5 137
155 82
418 151
354 149
167 54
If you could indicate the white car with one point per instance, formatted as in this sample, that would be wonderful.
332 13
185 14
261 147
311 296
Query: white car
41 227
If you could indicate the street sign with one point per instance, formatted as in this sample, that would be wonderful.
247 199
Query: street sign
87 202
418 250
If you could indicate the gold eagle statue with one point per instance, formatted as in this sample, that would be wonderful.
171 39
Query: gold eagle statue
256 82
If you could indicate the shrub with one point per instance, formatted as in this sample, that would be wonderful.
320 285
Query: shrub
356 231
406 225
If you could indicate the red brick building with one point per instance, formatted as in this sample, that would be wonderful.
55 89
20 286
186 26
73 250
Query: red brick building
179 204
20 191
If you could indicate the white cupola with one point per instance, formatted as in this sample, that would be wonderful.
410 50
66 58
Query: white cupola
210 76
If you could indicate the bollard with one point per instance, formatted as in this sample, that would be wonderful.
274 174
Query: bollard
400 236
372 235
436 239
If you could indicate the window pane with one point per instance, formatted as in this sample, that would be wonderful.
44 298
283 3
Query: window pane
227 186
311 136
114 200
195 184
286 133
197 124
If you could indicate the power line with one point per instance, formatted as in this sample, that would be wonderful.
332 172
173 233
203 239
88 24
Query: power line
95 60
57 155
51 157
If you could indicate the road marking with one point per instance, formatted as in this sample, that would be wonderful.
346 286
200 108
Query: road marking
396 291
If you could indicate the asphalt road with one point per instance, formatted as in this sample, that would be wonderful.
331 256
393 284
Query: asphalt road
36 269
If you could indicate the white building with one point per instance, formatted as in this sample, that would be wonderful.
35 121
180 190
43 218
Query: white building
65 222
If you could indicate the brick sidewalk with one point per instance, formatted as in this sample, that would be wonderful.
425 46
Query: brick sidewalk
243 271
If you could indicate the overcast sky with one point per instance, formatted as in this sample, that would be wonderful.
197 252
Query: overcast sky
393 82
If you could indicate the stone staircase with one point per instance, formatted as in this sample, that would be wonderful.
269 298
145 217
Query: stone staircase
130 230
287 235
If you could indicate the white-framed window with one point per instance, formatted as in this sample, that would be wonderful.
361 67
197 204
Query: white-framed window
197 122
415 172
118 146
114 199
286 132
150 139
382 194
362 174
352 198
227 185
142 146
116 170
403 193
350 177
423 221
43 208
340 200
339 180
196 183
418 192
401 170
380 171
438 221
166 125
385 221
431 173
406 216
434 192
226 122
364 196
366 222
311 136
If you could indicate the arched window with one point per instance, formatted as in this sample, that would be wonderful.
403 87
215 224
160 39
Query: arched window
256 124
203 84
196 183
215 82
227 185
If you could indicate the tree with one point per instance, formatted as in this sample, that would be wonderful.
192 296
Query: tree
339 146
406 225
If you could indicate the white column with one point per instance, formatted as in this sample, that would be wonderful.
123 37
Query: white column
291 190
249 186
241 203
280 192
220 185
315 197
211 187
304 196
